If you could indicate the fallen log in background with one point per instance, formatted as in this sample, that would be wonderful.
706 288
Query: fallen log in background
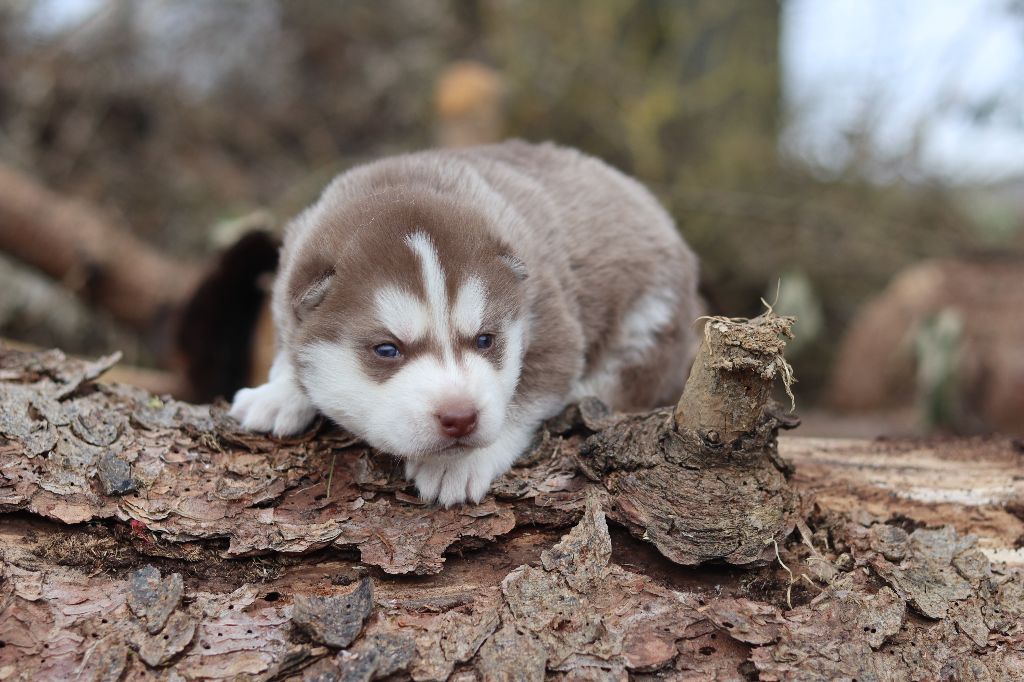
312 557
200 323
103 263
945 336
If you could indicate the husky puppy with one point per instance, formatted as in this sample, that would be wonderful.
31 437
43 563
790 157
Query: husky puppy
441 305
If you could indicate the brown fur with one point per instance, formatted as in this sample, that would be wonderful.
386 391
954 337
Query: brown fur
593 241
367 241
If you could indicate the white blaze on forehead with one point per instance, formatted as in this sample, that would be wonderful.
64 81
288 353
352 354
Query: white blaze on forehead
403 314
468 314
433 283
433 275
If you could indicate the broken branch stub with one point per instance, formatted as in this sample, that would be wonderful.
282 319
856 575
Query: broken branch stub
732 376
706 483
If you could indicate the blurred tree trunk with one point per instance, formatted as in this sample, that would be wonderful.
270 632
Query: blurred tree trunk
101 262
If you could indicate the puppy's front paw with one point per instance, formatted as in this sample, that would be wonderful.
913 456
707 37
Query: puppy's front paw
277 406
451 481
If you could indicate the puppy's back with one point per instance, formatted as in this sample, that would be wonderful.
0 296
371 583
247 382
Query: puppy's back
632 278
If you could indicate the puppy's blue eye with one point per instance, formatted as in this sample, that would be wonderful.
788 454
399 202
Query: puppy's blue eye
484 341
386 350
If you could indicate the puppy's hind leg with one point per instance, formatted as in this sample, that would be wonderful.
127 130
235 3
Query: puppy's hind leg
279 405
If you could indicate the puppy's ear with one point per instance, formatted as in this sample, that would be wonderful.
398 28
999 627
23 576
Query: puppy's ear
313 293
517 266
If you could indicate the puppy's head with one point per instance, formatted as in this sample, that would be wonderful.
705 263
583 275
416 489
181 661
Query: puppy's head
409 325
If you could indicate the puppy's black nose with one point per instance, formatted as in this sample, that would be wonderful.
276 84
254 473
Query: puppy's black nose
457 423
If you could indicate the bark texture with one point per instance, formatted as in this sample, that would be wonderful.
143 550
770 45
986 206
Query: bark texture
732 376
717 452
144 538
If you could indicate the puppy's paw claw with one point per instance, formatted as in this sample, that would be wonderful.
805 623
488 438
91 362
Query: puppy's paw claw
293 419
277 407
450 481
427 475
477 487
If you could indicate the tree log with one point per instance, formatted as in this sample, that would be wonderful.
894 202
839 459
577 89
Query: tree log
943 337
144 538
103 263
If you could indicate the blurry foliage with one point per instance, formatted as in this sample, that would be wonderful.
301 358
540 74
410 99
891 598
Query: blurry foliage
939 347
178 115
675 92
686 96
